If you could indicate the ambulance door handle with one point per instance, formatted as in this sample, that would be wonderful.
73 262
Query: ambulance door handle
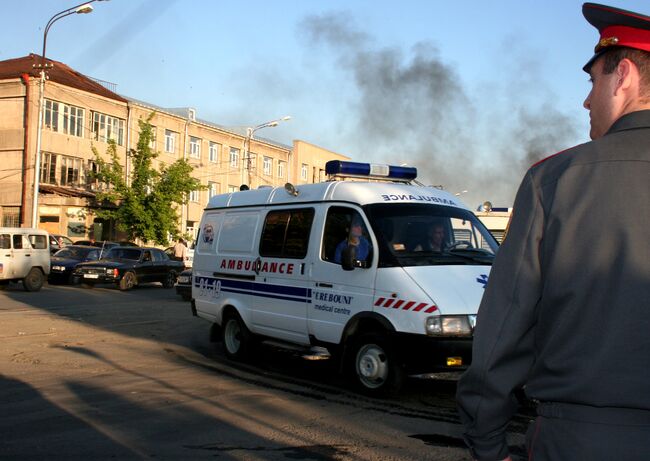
324 285
257 265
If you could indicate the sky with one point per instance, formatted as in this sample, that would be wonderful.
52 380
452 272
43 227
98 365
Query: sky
470 92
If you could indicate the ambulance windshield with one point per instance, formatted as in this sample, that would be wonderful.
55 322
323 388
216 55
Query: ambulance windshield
426 234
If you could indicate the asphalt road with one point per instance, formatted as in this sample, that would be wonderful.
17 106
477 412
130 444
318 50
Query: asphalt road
103 374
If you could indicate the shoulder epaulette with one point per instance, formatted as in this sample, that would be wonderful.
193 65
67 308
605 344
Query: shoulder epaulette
550 156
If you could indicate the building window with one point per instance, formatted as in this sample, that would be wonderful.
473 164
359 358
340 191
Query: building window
281 168
91 182
232 188
152 141
234 157
64 118
170 141
194 196
69 167
268 165
195 147
73 120
191 228
213 189
10 216
215 151
48 168
51 115
106 127
303 171
69 170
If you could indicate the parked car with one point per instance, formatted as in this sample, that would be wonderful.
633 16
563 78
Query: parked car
105 243
58 241
184 285
24 257
64 261
130 266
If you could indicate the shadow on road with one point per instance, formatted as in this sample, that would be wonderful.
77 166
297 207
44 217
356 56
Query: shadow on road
34 428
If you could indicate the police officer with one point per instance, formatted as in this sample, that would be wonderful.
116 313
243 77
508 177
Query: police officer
566 312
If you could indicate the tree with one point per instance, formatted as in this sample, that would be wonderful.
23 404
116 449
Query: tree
145 208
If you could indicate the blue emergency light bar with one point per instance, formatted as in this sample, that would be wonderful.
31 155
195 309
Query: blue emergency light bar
370 170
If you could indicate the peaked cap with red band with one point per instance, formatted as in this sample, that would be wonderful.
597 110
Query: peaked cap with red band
618 28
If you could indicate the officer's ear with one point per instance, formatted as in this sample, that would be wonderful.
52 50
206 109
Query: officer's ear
627 76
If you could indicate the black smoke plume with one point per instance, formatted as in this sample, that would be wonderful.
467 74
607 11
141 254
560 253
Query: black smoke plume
413 108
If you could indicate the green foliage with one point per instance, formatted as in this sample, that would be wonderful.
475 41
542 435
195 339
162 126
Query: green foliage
145 208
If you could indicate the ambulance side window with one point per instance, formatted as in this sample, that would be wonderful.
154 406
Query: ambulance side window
339 229
286 233
5 242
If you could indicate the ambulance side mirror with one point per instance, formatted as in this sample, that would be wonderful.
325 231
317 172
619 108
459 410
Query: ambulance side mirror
348 257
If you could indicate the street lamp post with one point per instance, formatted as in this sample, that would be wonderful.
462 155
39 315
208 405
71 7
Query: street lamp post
82 8
247 145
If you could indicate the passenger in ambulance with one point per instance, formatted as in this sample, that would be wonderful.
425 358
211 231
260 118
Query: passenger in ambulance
435 239
355 239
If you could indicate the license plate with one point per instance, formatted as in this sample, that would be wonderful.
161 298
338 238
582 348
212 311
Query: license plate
91 276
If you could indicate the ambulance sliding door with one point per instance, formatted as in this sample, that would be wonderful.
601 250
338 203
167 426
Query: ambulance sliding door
281 281
340 294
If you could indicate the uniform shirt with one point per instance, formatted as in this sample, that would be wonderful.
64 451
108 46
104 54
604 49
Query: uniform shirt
363 248
566 310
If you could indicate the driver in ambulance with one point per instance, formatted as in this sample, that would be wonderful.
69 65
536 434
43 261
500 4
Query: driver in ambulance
355 238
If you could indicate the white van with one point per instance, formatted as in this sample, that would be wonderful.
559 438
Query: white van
385 275
24 256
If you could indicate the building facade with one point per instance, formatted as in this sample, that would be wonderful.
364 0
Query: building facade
81 113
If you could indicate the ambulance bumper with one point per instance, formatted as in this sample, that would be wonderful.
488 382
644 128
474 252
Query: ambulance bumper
427 354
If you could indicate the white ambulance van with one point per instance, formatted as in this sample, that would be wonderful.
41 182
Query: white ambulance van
371 268
24 256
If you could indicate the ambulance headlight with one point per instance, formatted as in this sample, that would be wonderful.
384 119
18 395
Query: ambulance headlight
448 325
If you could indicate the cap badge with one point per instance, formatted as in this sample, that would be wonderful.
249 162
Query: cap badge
607 41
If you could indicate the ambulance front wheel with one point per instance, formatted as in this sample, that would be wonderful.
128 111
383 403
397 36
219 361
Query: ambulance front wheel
237 340
375 367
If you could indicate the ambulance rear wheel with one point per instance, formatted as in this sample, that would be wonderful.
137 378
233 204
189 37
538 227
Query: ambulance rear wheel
375 367
237 340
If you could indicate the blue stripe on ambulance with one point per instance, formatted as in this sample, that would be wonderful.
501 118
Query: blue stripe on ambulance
264 290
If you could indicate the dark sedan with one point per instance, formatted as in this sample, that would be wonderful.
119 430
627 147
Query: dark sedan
130 266
105 244
64 261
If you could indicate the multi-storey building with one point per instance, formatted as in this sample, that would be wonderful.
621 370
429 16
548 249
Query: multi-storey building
81 113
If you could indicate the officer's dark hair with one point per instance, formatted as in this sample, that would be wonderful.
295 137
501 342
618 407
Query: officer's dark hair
640 58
